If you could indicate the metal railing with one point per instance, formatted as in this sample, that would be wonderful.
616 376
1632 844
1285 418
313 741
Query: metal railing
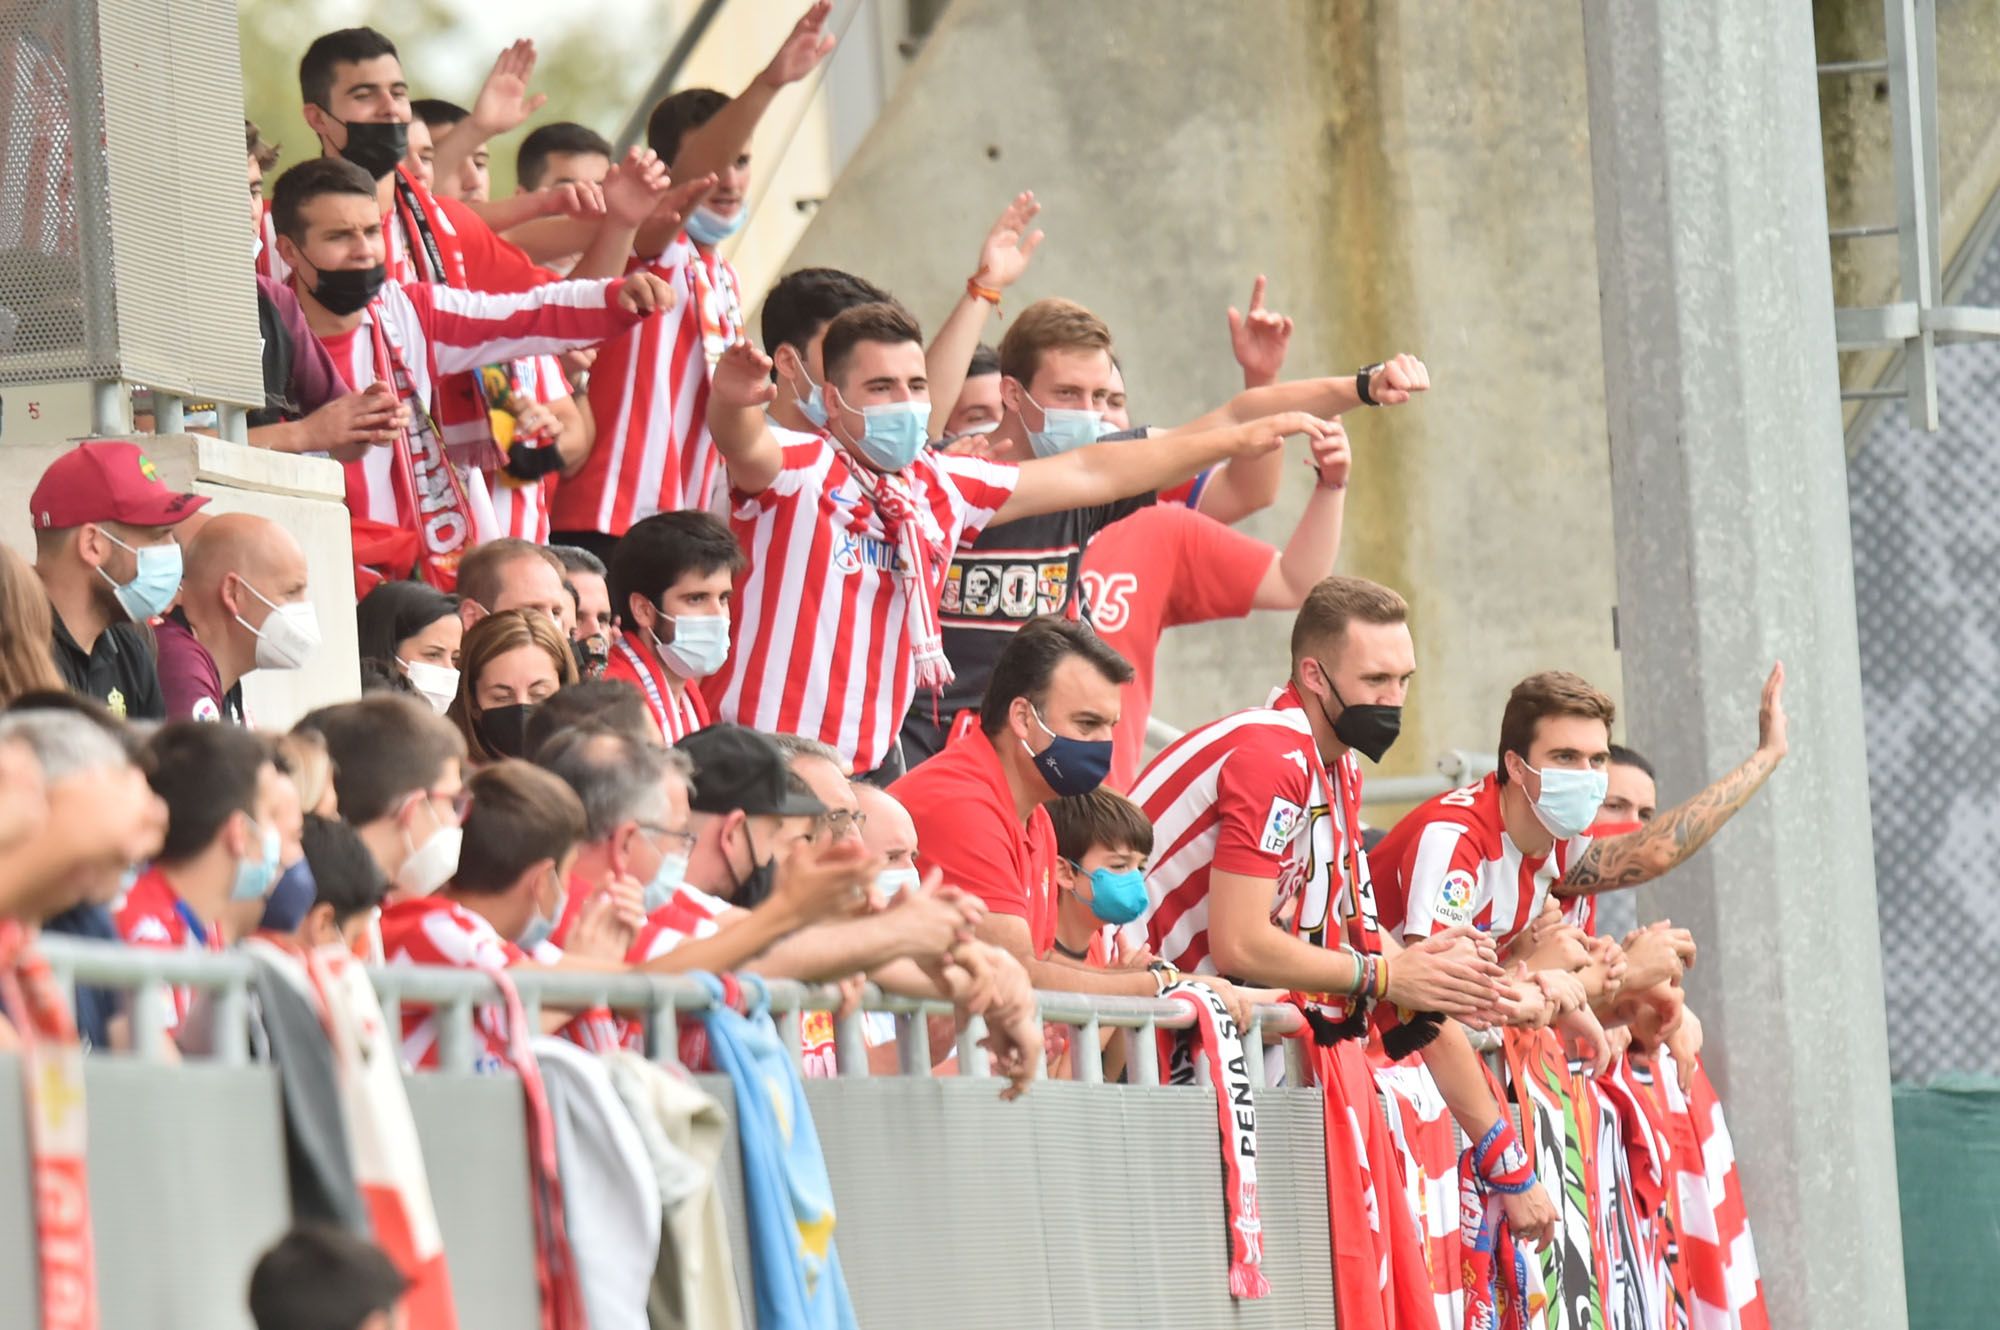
1455 767
657 1001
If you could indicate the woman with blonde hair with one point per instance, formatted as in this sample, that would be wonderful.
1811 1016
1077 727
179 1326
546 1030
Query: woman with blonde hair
509 664
27 627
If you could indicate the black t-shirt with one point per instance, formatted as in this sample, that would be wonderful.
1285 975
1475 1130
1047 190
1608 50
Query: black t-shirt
1014 572
118 671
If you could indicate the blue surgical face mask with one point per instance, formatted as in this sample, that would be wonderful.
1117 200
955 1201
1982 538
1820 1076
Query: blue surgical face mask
893 433
542 925
813 405
1071 766
1570 799
152 588
709 227
1116 897
666 880
1063 428
699 647
255 875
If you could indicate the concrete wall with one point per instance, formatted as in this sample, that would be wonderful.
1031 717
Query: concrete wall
1410 179
302 493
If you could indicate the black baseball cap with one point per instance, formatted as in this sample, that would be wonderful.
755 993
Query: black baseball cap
737 768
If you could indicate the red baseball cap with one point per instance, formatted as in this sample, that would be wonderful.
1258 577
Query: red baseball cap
101 480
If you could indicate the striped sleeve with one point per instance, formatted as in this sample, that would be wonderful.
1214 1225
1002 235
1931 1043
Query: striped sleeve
978 489
468 329
1442 884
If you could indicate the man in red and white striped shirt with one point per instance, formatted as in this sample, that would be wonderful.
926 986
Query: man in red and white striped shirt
649 390
1258 872
385 336
671 583
847 534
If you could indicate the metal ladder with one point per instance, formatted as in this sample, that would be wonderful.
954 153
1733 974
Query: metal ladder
1921 320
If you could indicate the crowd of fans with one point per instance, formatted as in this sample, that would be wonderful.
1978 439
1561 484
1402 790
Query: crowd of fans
825 653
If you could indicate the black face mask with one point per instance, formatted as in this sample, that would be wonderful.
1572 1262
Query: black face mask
1368 728
505 729
751 891
376 146
345 291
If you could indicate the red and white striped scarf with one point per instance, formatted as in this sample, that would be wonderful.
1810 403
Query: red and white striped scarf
430 497
52 1074
921 563
1220 1044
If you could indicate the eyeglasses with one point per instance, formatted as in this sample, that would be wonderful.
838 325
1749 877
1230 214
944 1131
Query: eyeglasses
685 839
459 803
839 822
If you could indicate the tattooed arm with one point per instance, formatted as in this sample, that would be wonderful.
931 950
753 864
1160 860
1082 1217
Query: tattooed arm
1668 840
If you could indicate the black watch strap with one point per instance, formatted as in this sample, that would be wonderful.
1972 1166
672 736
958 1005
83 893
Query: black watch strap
1363 384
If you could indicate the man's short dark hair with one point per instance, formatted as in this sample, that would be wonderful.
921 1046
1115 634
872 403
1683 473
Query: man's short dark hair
345 874
437 112
576 559
319 1277
1029 661
805 301
618 779
205 772
565 137
314 178
1101 819
479 571
884 321
384 747
519 816
1621 756
688 109
985 361
254 145
657 551
349 46
598 704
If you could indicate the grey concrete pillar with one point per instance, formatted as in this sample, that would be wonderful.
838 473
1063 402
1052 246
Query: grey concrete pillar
1730 508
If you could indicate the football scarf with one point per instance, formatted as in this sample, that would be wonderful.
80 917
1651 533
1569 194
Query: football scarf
1717 1260
1427 1158
1561 1131
1219 1044
1494 1271
52 1078
920 561
430 496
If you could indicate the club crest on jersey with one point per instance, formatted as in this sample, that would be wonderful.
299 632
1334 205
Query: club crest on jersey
1455 897
205 709
1280 825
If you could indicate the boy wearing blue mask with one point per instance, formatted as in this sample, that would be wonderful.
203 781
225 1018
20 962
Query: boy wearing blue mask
106 552
1102 843
670 586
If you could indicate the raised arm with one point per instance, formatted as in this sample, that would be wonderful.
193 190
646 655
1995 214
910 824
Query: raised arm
468 328
1308 556
739 388
1260 338
710 148
1668 840
504 105
1002 259
1120 468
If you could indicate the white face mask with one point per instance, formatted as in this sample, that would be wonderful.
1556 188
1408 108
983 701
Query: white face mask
433 863
438 683
892 880
699 647
289 636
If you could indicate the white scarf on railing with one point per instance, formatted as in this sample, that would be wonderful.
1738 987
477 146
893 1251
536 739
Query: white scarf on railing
1220 1043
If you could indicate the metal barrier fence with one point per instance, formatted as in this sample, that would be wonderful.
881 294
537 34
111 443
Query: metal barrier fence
1083 1203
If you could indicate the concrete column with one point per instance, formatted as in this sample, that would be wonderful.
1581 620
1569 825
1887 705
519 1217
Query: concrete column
1730 509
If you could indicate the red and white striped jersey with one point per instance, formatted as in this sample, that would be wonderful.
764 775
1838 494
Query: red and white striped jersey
438 330
1242 795
433 930
1450 861
154 915
38 209
649 395
522 510
689 915
677 713
820 642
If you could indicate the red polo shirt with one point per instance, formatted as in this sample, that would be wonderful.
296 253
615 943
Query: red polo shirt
967 827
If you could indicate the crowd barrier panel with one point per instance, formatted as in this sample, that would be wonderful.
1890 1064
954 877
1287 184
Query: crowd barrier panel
1082 1203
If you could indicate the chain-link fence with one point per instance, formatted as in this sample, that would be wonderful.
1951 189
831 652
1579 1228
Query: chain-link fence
1927 593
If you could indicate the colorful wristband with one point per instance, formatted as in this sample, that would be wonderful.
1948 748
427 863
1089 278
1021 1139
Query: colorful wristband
990 294
1501 1162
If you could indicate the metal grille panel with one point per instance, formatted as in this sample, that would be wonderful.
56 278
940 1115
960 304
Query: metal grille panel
1927 597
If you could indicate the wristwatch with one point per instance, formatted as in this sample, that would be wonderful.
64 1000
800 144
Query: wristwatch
1362 381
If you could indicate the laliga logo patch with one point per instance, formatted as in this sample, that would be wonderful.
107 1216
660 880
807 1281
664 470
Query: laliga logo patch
1455 897
1280 825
